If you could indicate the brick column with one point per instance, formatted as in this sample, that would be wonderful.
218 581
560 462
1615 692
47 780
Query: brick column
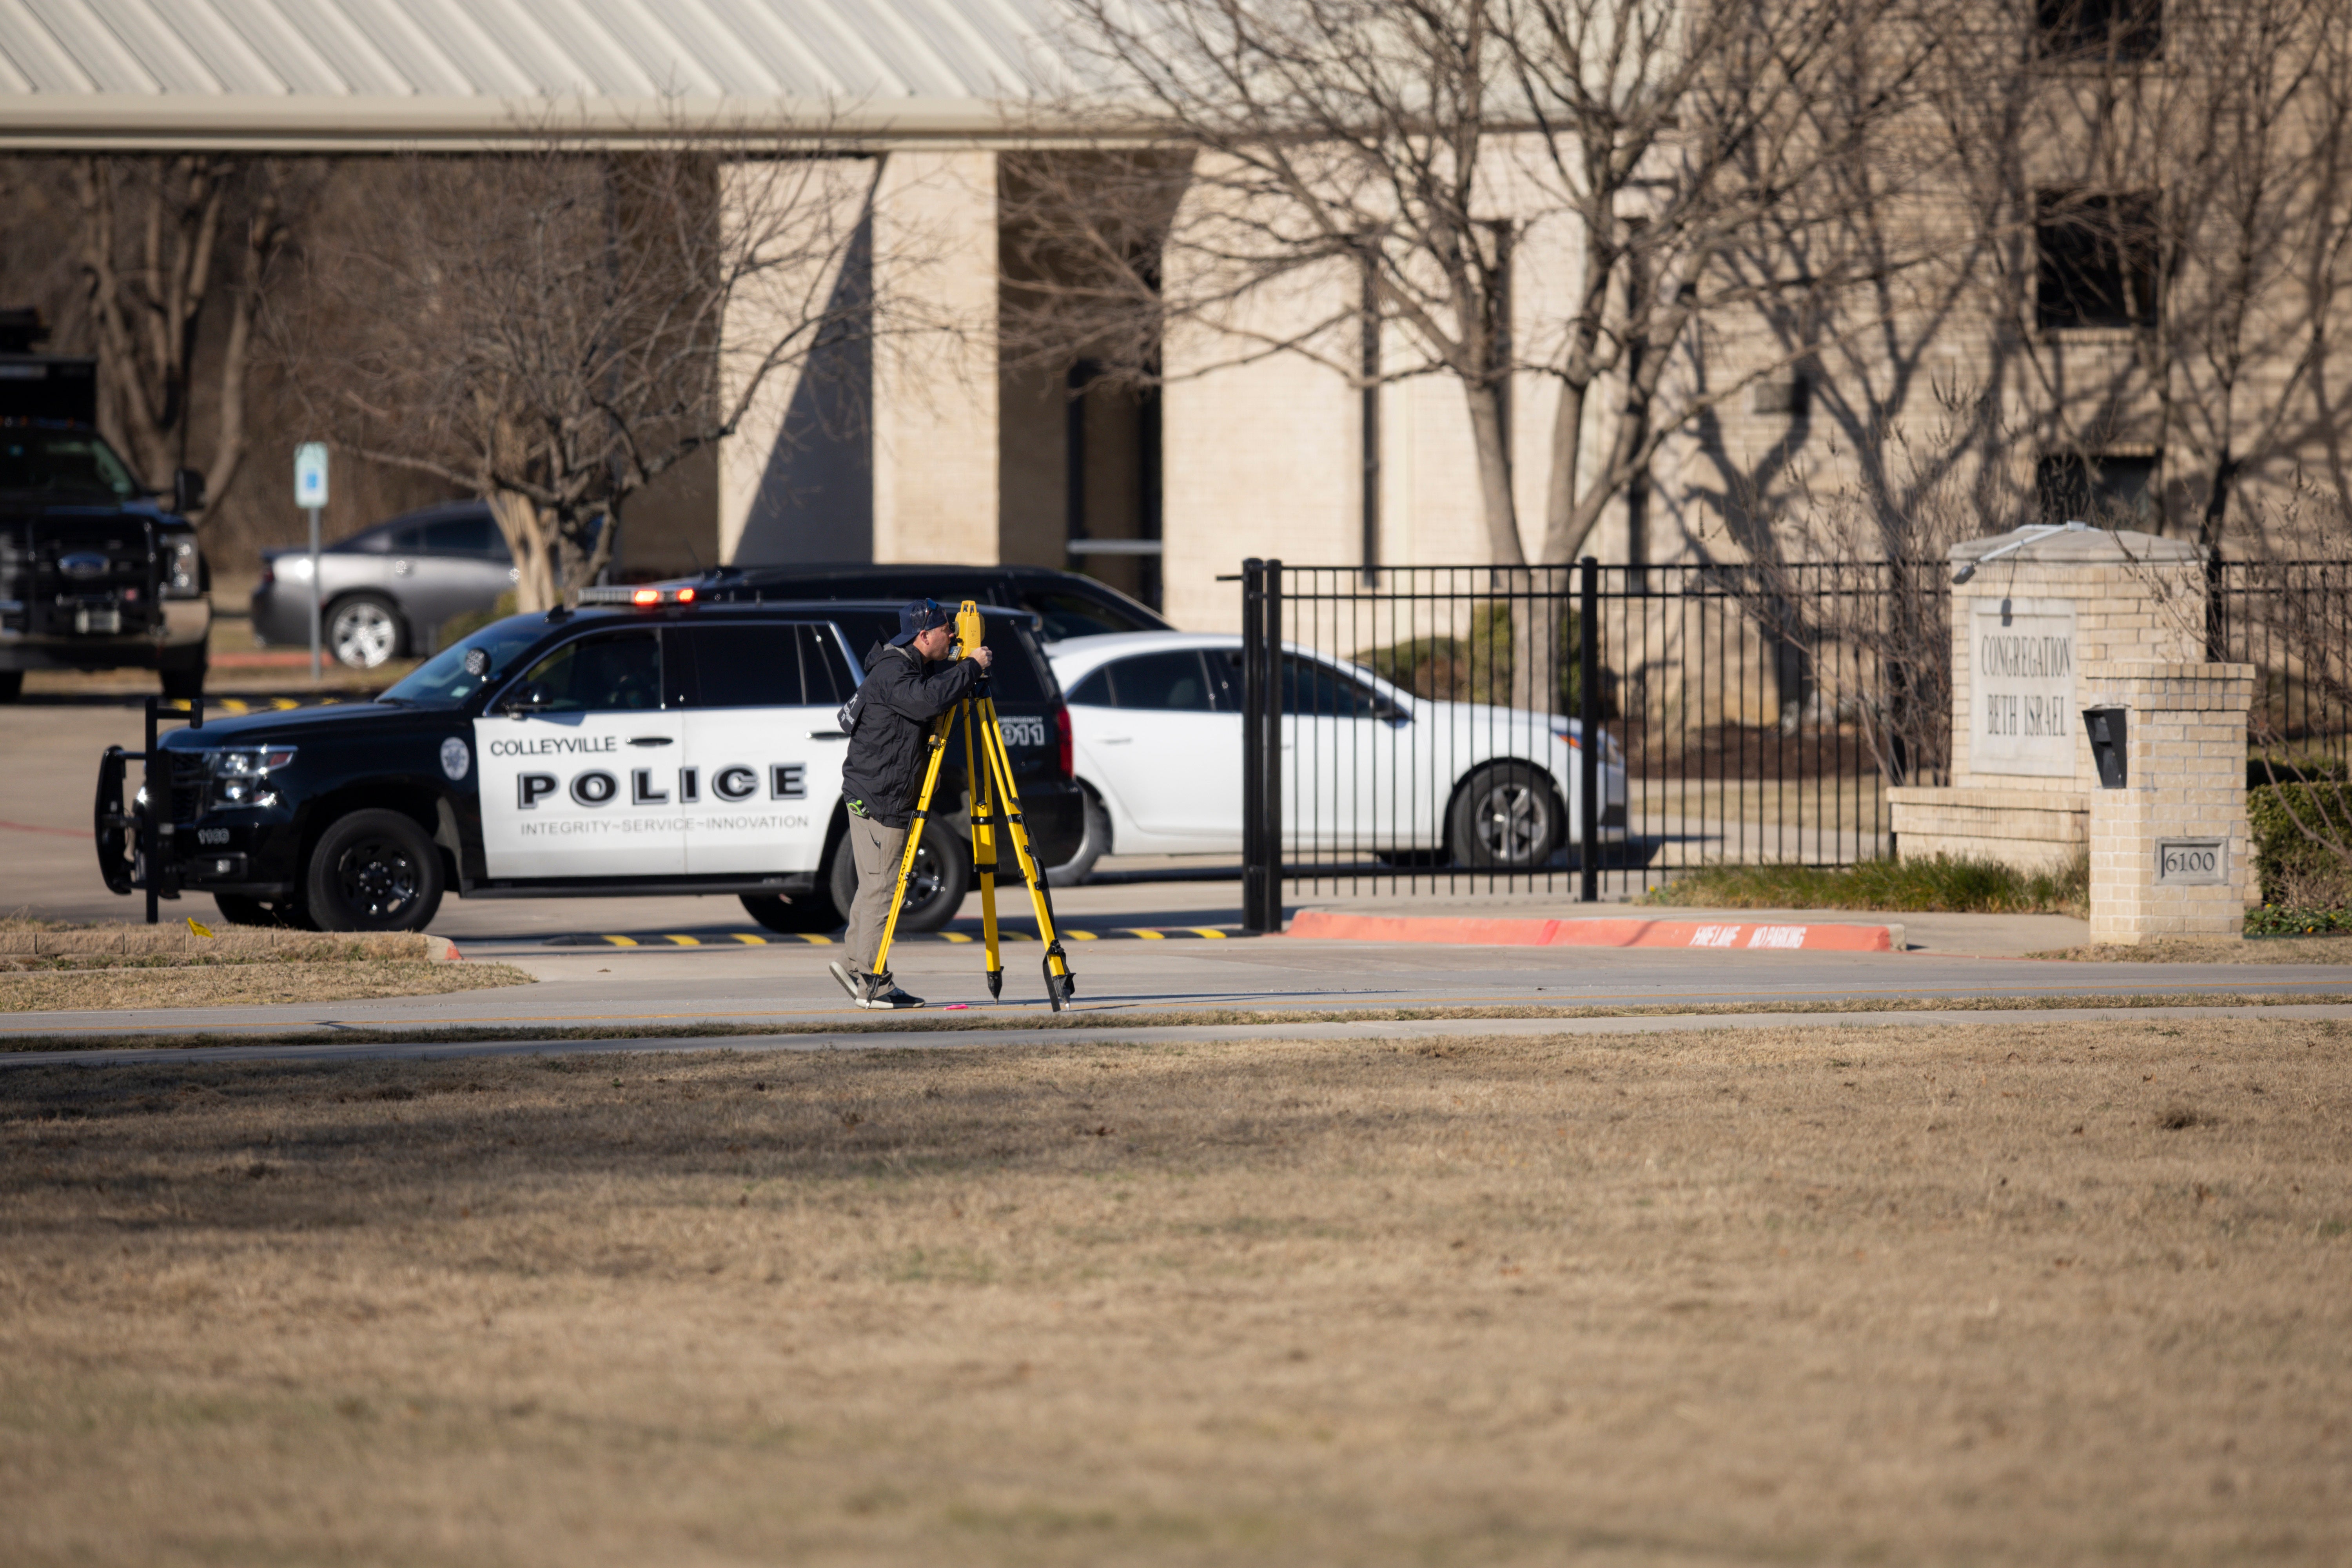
934 380
2170 854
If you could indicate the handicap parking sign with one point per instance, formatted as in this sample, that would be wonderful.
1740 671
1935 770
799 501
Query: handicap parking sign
311 474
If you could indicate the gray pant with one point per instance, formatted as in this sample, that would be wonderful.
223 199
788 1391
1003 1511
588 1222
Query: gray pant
876 849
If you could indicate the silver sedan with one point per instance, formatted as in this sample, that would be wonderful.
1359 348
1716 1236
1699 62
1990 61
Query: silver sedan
385 592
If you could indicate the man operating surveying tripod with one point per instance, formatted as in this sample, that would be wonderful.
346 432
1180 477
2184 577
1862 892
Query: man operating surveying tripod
907 686
995 815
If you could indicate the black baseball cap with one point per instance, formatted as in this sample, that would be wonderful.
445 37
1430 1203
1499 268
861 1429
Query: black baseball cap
918 616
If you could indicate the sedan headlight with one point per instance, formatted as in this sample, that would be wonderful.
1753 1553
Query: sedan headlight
240 775
183 569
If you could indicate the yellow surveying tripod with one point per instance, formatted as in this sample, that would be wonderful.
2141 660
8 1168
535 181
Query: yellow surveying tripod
989 781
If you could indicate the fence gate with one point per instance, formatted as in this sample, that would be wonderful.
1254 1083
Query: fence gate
1425 731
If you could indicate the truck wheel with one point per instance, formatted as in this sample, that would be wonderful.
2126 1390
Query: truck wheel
373 871
935 888
803 914
365 631
12 684
185 684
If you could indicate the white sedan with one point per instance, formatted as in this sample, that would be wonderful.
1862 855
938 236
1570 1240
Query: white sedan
1368 769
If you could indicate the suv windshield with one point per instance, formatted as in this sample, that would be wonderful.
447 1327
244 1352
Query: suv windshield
62 462
448 680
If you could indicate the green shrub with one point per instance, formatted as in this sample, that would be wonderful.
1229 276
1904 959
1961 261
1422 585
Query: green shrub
1475 669
2273 920
2262 772
1940 884
1478 668
2302 844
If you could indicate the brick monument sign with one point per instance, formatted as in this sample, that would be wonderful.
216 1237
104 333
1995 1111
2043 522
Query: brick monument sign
2050 623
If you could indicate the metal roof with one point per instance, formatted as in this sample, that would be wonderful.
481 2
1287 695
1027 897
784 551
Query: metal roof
345 73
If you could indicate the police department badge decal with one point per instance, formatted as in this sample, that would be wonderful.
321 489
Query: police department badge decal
454 758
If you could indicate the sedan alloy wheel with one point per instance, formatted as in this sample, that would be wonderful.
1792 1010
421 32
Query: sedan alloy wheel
1506 817
363 633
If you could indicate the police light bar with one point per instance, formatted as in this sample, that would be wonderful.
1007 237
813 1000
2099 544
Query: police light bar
642 598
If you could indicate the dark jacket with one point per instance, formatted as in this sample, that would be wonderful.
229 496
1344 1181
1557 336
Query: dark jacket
891 749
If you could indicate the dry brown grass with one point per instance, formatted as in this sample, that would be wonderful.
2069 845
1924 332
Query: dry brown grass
164 983
2033 1294
2199 950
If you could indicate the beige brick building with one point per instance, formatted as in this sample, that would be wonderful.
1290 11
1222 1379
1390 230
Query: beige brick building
2088 395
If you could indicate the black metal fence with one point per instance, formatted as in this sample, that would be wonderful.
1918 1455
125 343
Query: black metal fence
1423 729
2291 620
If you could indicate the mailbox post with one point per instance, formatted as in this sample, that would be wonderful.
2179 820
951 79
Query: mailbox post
2109 752
2168 843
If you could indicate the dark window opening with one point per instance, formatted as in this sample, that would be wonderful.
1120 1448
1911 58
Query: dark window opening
2098 261
2105 491
2101 29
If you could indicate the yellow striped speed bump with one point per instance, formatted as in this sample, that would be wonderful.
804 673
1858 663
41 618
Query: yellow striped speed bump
957 938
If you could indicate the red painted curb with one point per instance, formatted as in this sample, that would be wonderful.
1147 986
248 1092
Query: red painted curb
1765 935
296 659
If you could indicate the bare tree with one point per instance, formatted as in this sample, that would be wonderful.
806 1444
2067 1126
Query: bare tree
557 327
2178 182
1298 146
1683 134
160 266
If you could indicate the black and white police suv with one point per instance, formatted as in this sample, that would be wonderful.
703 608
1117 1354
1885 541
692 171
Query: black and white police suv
642 743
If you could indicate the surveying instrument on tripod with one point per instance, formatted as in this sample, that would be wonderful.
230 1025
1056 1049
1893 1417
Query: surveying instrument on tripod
995 805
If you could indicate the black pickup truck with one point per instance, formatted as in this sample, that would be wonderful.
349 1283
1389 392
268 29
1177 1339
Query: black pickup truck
94 575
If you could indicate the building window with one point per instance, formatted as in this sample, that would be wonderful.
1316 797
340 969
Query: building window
2100 29
2109 491
2098 260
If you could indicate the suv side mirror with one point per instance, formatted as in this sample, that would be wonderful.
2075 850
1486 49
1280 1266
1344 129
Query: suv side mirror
187 490
531 699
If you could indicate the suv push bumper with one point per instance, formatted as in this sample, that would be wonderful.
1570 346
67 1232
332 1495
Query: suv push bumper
253 853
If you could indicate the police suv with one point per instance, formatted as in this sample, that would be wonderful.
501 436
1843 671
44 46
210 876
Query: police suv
642 743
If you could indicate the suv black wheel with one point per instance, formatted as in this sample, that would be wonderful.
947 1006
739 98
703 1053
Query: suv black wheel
935 888
12 684
803 914
1506 818
373 871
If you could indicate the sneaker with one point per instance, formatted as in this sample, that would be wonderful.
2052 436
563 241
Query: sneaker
849 982
882 996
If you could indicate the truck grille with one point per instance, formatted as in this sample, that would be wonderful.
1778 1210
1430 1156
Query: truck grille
62 578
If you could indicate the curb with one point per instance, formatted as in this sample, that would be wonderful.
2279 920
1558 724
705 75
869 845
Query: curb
1765 936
